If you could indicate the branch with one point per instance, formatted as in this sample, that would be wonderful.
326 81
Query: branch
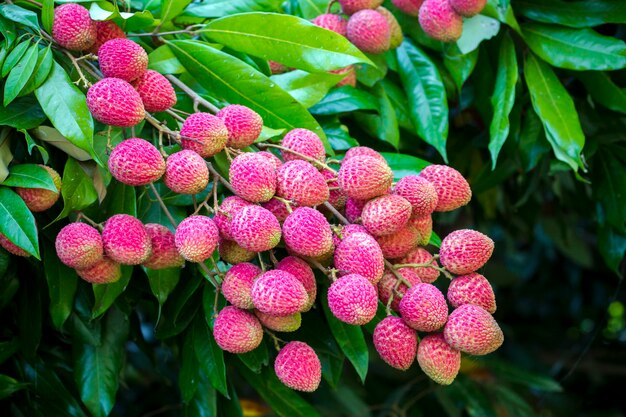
194 96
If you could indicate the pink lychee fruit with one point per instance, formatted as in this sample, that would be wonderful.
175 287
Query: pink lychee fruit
255 228
126 240
302 183
237 284
353 6
224 215
334 22
400 243
453 191
468 8
395 30
232 253
196 238
11 247
386 214
105 271
105 31
164 252
363 151
135 162
186 172
79 245
72 27
304 142
298 367
389 284
420 192
472 289
424 227
464 251
307 232
354 208
279 293
122 58
364 177
115 102
41 199
284 324
360 254
236 330
410 7
204 133
471 329
353 299
277 67
424 308
303 272
155 91
369 31
349 74
253 177
438 359
395 342
276 162
440 21
278 208
422 256
244 125
341 232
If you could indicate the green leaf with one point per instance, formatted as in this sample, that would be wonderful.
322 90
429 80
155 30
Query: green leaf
338 136
180 308
30 176
20 15
556 110
17 222
189 374
222 74
403 165
14 57
221 8
172 8
612 247
503 97
131 22
97 368
603 90
29 315
576 49
427 95
47 14
9 386
56 139
120 199
383 126
78 191
7 29
257 359
459 65
578 14
517 375
307 88
66 107
41 71
210 356
162 282
62 284
289 40
5 153
32 145
20 74
23 113
106 294
344 100
472 397
8 349
204 402
609 181
312 8
475 30
164 61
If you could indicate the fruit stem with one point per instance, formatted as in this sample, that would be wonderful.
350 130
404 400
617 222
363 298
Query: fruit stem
393 293
222 180
81 76
197 100
287 203
330 5
175 115
399 277
82 216
274 338
338 215
306 158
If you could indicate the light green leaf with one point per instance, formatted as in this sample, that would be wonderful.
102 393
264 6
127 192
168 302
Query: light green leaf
47 15
164 61
17 222
312 8
578 14
307 88
41 71
20 15
475 30
131 22
14 57
29 176
19 75
172 8
221 8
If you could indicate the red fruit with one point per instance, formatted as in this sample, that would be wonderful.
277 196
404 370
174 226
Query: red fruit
237 331
364 177
418 191
353 6
105 271
278 208
204 133
186 172
255 228
424 308
354 208
424 227
196 238
395 30
473 330
360 254
126 240
395 342
342 232
73 28
232 253
468 8
307 232
115 102
388 283
302 183
11 247
105 31
279 293
332 22
439 20
453 191
224 215
303 272
79 245
40 199
464 251
369 31
410 7
237 284
283 324
277 67
136 161
421 256
244 125
276 162
438 359
122 58
349 78
386 215
298 367
363 151
156 91
335 197
472 289
353 299
400 243
164 252
253 177
304 142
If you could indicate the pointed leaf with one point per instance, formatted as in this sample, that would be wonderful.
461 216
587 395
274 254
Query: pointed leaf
162 282
343 100
602 89
17 222
307 88
221 8
62 284
23 113
578 14
78 191
210 356
20 15
29 176
106 294
20 74
172 8
14 57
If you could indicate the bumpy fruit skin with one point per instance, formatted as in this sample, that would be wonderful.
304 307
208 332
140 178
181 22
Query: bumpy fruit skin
135 162
386 215
410 7
105 271
237 284
224 216
354 208
400 243
232 253
424 227
453 191
420 192
126 240
72 27
253 177
255 228
472 289
155 91
186 172
204 133
275 161
360 254
342 232
302 183
369 31
298 367
438 359
388 283
164 252
122 58
105 31
335 197
237 331
424 308
421 256
439 20
353 299
333 22
304 142
364 177
40 199
196 238
11 247
473 330
395 30
79 245
307 232
464 251
303 272
285 324
353 6
278 208
468 8
279 293
363 151
115 102
244 125
395 342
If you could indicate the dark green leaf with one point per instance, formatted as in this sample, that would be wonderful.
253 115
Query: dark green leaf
230 407
32 145
257 359
612 246
172 8
5 153
23 113
459 65
180 308
120 199
466 392
603 90
475 30
29 176
338 136
609 189
307 88
204 402
189 374
403 165
221 8
47 14
17 222
19 75
8 348
20 15
14 57
210 356
7 29
9 386
578 14
29 316
383 126
344 100
162 282
515 405
517 375
106 294
78 191
62 283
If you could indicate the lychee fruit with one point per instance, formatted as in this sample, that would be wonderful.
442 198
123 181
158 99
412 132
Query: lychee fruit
41 199
164 252
72 27
298 367
244 125
341 232
230 252
115 102
453 191
353 6
11 247
424 227
303 272
439 20
464 251
196 238
468 8
224 215
369 31
253 177
400 243
349 76
389 284
304 142
255 228
236 330
472 289
333 22
79 245
418 191
105 31
395 30
279 293
155 91
105 271
410 7
278 208
363 151
364 177
285 324
276 162
395 342
386 214
359 253
424 308
354 208
204 133
438 359
126 240
302 183
122 58
186 172
353 299
237 284
277 67
336 197
307 232
471 329
422 256
135 162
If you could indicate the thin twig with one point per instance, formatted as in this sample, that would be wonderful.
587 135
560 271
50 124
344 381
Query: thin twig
194 96
298 154
336 213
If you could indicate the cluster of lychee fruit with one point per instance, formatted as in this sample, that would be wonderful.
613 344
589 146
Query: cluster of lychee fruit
443 19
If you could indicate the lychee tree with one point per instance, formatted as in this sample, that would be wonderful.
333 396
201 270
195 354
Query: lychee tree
211 208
